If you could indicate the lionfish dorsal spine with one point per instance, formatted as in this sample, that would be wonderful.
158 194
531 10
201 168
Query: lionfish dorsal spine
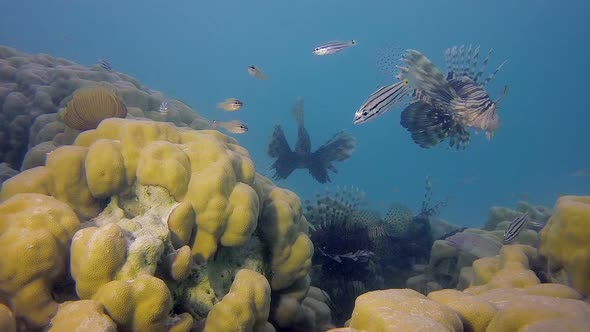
489 78
483 66
475 61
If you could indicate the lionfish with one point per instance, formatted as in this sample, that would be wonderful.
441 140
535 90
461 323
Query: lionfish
441 107
337 148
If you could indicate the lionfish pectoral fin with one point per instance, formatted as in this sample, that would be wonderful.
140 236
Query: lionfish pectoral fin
278 144
430 126
339 147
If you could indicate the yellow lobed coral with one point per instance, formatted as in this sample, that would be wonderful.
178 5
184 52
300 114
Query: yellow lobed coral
517 309
285 228
564 242
83 315
204 194
205 170
141 304
401 310
510 269
475 313
245 307
35 233
7 321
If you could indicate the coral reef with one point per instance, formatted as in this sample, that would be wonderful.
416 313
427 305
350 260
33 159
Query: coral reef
564 243
452 256
168 217
505 295
33 88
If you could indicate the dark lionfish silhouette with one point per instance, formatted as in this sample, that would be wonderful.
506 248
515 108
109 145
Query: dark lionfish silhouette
445 107
337 148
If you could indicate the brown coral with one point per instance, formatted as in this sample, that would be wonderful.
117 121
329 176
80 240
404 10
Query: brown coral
91 105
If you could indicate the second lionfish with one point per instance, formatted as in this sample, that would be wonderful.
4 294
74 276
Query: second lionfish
441 107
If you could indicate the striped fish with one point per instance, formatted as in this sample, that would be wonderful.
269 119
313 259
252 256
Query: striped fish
333 47
515 227
105 64
381 101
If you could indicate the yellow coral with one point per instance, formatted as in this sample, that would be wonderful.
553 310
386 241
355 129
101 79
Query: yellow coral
285 228
245 307
83 315
105 171
35 232
475 313
402 310
67 169
141 304
510 269
7 322
539 313
35 180
564 241
96 254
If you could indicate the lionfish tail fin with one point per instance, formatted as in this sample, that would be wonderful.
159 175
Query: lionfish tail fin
338 148
430 126
286 160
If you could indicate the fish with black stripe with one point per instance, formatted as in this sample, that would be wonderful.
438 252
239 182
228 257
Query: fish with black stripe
460 93
441 108
381 101
333 47
515 227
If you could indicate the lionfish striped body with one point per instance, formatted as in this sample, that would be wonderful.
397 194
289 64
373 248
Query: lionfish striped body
444 107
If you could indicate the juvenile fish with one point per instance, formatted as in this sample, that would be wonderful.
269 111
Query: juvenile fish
164 108
230 104
333 47
515 227
381 101
256 72
235 126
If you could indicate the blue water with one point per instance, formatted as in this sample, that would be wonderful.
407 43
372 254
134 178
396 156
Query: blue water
198 51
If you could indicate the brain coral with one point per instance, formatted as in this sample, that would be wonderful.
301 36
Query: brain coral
92 104
169 216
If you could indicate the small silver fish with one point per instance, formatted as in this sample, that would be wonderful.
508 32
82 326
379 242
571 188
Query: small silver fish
256 72
105 64
515 227
235 126
381 101
333 47
164 108
230 104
